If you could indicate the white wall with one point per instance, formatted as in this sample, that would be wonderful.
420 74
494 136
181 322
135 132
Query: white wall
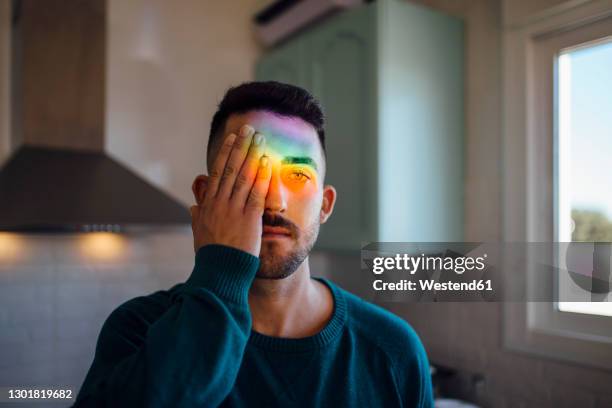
168 65
5 80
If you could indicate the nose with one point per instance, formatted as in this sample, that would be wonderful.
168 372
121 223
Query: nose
276 200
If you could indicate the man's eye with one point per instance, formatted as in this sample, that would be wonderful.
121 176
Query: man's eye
298 175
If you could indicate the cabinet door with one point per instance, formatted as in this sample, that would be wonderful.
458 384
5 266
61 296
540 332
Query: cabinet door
421 124
341 62
284 64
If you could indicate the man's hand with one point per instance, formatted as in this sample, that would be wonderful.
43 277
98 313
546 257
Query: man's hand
234 201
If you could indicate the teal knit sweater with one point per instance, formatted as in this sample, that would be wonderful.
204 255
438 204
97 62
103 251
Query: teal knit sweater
193 346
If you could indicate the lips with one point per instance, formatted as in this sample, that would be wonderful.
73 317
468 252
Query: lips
275 231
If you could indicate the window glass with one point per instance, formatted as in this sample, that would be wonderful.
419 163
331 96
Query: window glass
584 173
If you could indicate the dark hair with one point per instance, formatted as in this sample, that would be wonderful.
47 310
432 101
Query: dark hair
272 96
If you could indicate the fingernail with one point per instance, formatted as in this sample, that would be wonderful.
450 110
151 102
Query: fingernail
258 139
263 161
231 138
247 131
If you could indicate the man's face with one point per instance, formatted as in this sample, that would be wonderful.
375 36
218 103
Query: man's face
297 201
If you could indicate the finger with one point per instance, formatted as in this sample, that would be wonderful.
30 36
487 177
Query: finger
248 172
234 163
257 197
214 177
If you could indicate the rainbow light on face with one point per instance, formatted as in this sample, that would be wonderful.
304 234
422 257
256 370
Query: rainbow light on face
292 146
282 130
295 165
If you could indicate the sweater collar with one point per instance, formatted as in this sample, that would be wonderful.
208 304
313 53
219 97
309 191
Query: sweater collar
331 330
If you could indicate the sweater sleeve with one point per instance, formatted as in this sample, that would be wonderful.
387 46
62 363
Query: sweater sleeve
191 354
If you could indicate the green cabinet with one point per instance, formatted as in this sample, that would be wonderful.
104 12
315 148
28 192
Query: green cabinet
390 78
284 65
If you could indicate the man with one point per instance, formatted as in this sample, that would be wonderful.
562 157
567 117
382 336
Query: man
250 327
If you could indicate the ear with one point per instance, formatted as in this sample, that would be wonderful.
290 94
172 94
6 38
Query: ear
199 186
327 206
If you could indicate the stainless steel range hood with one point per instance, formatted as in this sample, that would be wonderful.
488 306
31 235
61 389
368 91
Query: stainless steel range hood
59 178
50 190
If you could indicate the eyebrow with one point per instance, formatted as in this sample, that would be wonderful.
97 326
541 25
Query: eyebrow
299 160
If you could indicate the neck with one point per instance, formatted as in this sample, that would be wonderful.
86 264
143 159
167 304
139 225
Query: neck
293 307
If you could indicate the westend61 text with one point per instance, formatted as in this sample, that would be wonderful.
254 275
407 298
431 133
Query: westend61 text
430 284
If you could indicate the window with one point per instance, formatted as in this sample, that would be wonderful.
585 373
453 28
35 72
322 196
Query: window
557 149
584 132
